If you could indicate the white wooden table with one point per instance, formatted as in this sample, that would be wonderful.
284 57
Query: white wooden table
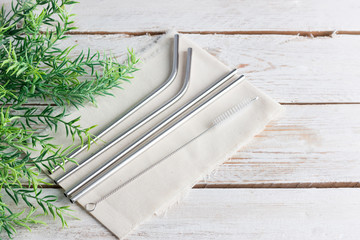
299 178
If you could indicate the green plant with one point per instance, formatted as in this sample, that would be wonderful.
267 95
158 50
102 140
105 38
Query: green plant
33 66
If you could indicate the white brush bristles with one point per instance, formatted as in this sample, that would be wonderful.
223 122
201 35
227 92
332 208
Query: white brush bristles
232 111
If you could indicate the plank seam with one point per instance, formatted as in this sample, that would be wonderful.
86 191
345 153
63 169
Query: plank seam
282 185
282 103
261 185
311 34
320 103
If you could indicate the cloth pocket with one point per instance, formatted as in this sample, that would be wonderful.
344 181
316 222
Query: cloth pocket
162 186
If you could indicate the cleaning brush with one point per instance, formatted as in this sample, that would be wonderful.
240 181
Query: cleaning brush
216 122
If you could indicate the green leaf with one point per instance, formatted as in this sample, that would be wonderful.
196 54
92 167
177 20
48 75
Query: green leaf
34 67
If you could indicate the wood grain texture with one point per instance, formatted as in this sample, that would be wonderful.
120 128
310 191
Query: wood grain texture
307 145
232 214
259 214
291 69
138 16
188 15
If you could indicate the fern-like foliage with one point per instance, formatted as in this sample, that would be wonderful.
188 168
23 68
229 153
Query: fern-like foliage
33 66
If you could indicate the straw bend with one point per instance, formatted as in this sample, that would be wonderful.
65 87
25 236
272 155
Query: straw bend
142 102
137 125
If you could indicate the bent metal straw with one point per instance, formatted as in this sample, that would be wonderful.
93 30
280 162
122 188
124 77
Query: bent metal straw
137 125
143 102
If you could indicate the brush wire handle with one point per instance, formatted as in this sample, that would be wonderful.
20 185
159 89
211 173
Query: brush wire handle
216 122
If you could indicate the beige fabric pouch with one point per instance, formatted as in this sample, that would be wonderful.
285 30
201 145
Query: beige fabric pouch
159 188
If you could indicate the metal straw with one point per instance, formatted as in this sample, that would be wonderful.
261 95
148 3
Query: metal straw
101 174
142 102
146 136
137 125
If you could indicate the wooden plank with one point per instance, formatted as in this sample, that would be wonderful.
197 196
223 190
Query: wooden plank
188 15
291 69
309 146
232 214
259 214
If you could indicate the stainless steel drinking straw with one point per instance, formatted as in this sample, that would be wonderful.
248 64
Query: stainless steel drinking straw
137 125
145 137
142 102
101 174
